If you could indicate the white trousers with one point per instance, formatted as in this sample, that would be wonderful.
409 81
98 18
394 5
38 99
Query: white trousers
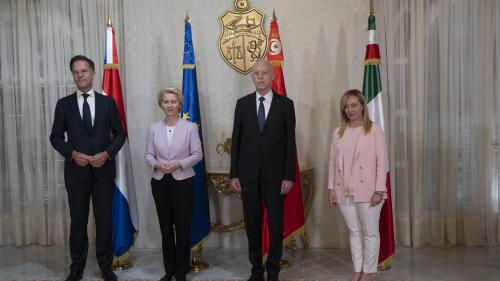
362 221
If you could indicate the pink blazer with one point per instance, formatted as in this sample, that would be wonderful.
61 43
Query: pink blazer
184 147
368 172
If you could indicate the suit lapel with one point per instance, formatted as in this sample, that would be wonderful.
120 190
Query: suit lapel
253 105
340 159
178 126
76 111
162 131
272 108
99 109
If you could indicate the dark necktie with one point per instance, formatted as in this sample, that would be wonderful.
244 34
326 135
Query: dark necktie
261 114
87 118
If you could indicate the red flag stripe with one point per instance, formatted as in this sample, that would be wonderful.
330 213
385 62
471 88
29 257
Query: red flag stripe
372 52
111 83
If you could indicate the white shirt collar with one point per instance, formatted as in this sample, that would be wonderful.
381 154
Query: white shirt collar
90 92
268 96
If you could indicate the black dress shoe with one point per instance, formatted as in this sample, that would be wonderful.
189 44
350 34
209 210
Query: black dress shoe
256 278
272 277
108 275
167 277
75 275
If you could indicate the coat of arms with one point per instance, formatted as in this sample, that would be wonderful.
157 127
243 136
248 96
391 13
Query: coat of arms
242 42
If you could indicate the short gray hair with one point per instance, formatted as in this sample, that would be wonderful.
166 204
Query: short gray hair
267 63
170 90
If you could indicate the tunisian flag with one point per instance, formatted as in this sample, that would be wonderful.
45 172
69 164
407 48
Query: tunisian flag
293 212
372 92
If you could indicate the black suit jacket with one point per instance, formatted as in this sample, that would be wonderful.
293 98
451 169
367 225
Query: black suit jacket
107 134
269 155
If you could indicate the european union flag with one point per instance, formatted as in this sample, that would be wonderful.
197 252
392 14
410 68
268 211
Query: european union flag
200 223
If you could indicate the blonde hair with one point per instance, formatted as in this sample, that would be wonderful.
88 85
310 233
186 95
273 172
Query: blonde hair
344 119
170 90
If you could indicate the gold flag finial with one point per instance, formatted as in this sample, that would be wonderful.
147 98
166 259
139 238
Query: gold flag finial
109 23
274 15
187 16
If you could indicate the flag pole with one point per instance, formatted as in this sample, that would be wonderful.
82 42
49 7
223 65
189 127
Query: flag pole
124 229
372 91
284 264
197 265
121 262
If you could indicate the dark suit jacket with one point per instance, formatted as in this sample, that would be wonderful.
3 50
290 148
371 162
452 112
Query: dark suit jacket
268 155
107 134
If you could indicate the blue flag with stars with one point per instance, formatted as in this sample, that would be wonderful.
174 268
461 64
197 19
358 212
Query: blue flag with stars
200 223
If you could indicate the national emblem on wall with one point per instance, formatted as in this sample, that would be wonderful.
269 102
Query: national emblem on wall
243 41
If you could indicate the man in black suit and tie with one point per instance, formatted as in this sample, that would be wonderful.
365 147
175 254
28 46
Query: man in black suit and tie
263 165
94 135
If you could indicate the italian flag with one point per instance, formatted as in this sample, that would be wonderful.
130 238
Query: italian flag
372 92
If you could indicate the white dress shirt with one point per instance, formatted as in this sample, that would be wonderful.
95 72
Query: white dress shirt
267 102
90 101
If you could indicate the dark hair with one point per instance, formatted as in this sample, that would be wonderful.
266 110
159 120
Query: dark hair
81 57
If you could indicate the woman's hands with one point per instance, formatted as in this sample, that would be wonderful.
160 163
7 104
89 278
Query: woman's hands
332 198
168 168
377 198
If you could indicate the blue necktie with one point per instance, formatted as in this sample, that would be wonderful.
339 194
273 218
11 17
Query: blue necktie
261 114
87 118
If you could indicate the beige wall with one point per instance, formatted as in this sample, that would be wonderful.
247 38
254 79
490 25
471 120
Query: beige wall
323 44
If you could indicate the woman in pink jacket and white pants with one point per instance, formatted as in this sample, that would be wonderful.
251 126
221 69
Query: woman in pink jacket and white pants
356 180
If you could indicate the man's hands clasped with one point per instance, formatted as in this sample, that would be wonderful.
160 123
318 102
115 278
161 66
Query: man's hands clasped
96 161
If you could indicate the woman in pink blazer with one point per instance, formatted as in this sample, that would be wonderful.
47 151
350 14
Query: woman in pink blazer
356 180
174 147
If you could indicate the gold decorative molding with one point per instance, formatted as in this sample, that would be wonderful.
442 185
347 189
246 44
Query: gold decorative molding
220 228
219 180
308 189
223 148
197 265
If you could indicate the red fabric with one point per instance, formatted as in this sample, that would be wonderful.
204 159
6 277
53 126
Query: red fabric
386 227
112 86
115 51
274 53
293 210
372 52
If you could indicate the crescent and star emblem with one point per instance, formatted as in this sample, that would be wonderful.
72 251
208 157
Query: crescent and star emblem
274 47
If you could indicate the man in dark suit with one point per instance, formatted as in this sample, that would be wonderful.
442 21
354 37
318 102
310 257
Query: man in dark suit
263 165
94 135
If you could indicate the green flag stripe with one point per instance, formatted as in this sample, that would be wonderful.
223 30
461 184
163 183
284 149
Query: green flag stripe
372 84
371 22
